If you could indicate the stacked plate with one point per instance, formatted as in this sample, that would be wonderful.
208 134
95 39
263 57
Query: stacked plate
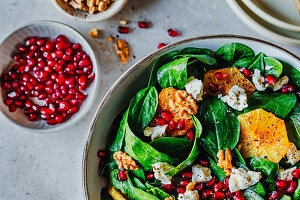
275 19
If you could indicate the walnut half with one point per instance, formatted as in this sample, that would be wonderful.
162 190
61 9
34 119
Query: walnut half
125 161
224 161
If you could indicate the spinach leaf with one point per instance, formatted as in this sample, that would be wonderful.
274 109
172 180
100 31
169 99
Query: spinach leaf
105 195
143 152
171 146
168 57
221 126
195 51
202 58
137 183
296 194
159 193
216 169
254 62
173 74
138 194
268 168
139 173
231 52
142 108
277 103
293 125
250 195
121 185
273 67
194 153
295 116
109 167
118 142
291 72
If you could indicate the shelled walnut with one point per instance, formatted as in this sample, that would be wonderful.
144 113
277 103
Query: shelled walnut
122 50
92 6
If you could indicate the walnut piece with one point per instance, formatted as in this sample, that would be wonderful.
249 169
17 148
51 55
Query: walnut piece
123 22
122 50
224 162
110 38
92 6
125 161
169 198
94 33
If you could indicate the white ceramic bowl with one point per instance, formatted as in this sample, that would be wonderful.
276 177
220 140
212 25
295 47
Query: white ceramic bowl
136 78
85 16
51 30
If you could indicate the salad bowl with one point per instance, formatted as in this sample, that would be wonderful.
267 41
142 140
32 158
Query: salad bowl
135 79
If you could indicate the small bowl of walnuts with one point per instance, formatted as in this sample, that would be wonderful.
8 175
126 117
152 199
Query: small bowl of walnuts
89 10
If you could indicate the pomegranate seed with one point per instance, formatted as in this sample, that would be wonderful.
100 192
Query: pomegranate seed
122 175
28 103
172 125
42 96
274 195
211 182
180 190
281 185
161 45
290 88
31 62
32 117
218 195
246 72
187 175
238 197
30 41
73 110
199 186
101 154
12 108
8 101
13 94
296 173
22 49
207 194
181 124
35 107
51 121
58 119
213 87
17 57
46 111
60 45
63 106
49 46
123 29
76 46
33 47
172 33
91 76
270 79
284 90
292 186
218 186
238 192
204 163
83 63
166 115
226 183
229 194
40 42
184 182
221 75
149 176
190 135
159 121
143 24
168 187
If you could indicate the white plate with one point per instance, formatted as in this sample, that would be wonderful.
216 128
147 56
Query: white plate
136 78
282 13
51 30
261 26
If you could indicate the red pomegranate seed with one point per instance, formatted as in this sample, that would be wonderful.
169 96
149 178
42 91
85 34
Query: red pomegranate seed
166 115
122 175
30 41
180 190
17 57
270 79
218 195
221 75
12 108
238 197
184 182
281 185
199 186
13 94
296 173
181 124
60 45
8 101
159 121
229 194
49 46
123 29
172 33
246 72
149 176
91 76
51 121
63 106
31 62
32 117
218 186
226 183
238 192
204 163
76 46
172 125
84 63
33 47
58 119
73 110
292 186
290 88
207 194
143 24
187 175
22 49
40 42
213 87
168 187
101 154
67 57
46 111
274 195
161 45
211 182
190 135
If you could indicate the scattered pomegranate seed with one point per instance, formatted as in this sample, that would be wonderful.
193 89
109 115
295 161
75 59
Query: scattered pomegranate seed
296 173
190 135
172 125
284 90
143 24
166 115
229 194
274 195
168 187
207 194
270 79
187 175
204 163
218 195
246 72
290 87
149 176
238 197
221 75
281 185
101 154
199 186
161 45
292 186
213 87
184 182
218 186
159 121
211 182
181 124
122 175
226 183
180 190
172 33
123 29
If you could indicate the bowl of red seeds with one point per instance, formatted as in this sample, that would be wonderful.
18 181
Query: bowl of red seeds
48 76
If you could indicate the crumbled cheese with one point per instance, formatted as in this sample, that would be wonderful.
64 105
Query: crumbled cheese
160 169
155 132
259 81
241 179
280 82
286 175
195 88
293 155
189 195
236 98
201 174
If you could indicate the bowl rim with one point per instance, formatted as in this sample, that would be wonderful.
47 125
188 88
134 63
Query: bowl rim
95 82
95 18
133 68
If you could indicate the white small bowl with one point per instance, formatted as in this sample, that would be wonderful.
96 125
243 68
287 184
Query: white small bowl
50 30
85 16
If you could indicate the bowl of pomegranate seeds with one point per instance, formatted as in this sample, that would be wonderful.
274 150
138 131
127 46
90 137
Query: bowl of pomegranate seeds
213 117
89 10
48 76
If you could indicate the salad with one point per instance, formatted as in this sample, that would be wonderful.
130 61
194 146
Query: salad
209 125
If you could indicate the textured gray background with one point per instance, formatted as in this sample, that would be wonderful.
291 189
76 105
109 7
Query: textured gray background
48 166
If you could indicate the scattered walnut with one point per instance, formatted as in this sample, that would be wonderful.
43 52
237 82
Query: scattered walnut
122 50
92 6
225 162
94 33
123 22
191 186
110 38
169 198
125 161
